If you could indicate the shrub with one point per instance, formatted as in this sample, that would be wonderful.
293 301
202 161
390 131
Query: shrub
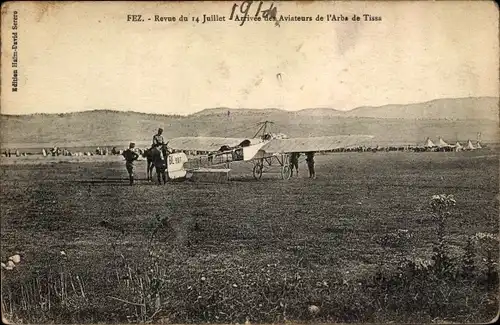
441 205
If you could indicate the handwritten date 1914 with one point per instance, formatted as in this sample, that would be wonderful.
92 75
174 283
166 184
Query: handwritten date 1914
245 6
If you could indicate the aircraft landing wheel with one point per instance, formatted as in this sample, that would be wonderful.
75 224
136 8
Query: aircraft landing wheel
286 172
257 171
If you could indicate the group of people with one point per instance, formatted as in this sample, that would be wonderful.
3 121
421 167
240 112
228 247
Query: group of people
56 152
158 152
156 155
294 163
10 153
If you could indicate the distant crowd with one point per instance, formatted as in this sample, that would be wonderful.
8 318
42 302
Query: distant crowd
65 152
13 153
56 151
429 146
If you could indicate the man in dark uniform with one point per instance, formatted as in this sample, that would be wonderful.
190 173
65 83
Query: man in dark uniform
130 156
294 163
310 164
160 162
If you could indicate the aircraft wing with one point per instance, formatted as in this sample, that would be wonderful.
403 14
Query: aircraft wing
203 143
316 143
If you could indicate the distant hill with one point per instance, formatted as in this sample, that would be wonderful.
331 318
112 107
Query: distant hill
478 108
483 108
452 119
237 111
320 112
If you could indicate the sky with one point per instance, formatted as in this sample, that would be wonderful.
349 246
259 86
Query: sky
83 56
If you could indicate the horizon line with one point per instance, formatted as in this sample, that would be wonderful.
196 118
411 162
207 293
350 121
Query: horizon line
244 108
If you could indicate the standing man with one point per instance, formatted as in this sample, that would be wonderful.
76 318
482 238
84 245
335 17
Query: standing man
130 156
294 163
160 162
310 164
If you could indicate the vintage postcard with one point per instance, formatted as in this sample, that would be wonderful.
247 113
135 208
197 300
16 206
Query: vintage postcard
249 162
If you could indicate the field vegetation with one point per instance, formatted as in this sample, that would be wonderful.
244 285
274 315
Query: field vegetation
400 237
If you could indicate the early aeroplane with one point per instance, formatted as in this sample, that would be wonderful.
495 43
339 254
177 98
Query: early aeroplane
262 150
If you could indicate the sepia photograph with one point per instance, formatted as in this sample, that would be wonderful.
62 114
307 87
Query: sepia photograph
249 162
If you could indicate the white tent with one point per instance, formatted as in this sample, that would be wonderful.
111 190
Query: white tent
458 146
442 143
478 145
429 143
469 146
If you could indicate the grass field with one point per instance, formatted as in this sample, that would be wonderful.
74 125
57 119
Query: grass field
262 251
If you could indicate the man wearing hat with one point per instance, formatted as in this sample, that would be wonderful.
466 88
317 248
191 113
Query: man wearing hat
130 156
158 138
159 142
